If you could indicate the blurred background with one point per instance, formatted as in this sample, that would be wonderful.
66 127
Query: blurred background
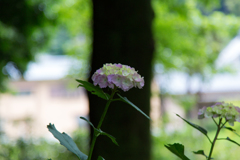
46 45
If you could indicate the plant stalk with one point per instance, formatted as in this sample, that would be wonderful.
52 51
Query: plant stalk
215 138
95 135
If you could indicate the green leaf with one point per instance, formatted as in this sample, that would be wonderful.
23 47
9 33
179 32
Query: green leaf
85 119
100 132
204 131
229 140
93 89
66 141
96 131
124 99
178 150
231 129
201 152
110 136
100 158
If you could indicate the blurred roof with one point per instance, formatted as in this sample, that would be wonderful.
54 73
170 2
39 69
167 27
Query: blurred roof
177 82
48 67
230 54
53 67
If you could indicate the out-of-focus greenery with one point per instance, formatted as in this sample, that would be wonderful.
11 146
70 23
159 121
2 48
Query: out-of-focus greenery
188 41
187 102
27 25
183 33
193 140
42 149
233 6
74 23
23 31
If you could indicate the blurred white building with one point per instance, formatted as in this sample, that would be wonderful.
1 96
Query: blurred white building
220 86
43 98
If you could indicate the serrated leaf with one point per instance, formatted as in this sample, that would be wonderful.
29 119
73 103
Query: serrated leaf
110 136
66 141
201 152
93 89
100 158
124 99
232 141
177 149
202 130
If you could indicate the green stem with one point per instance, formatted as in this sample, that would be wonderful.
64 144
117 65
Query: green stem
95 135
219 127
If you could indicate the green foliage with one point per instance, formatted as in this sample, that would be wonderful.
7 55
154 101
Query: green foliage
233 6
177 149
73 19
93 89
124 99
188 41
201 152
42 149
27 149
187 102
100 158
202 130
230 140
99 132
193 140
22 32
67 141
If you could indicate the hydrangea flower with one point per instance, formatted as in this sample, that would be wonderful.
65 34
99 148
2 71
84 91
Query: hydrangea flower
224 110
121 76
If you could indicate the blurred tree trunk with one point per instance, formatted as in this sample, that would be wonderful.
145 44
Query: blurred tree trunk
122 34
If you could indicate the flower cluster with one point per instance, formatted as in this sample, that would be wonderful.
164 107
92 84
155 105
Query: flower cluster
224 110
119 75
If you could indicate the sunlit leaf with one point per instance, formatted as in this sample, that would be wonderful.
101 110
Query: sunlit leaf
178 150
66 141
124 99
93 89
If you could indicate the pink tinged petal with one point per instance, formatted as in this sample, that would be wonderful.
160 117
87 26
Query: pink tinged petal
110 85
126 84
219 103
102 81
140 84
115 79
137 77
99 71
201 113
94 76
238 118
238 109
118 65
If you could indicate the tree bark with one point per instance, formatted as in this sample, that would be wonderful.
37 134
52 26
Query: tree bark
122 34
